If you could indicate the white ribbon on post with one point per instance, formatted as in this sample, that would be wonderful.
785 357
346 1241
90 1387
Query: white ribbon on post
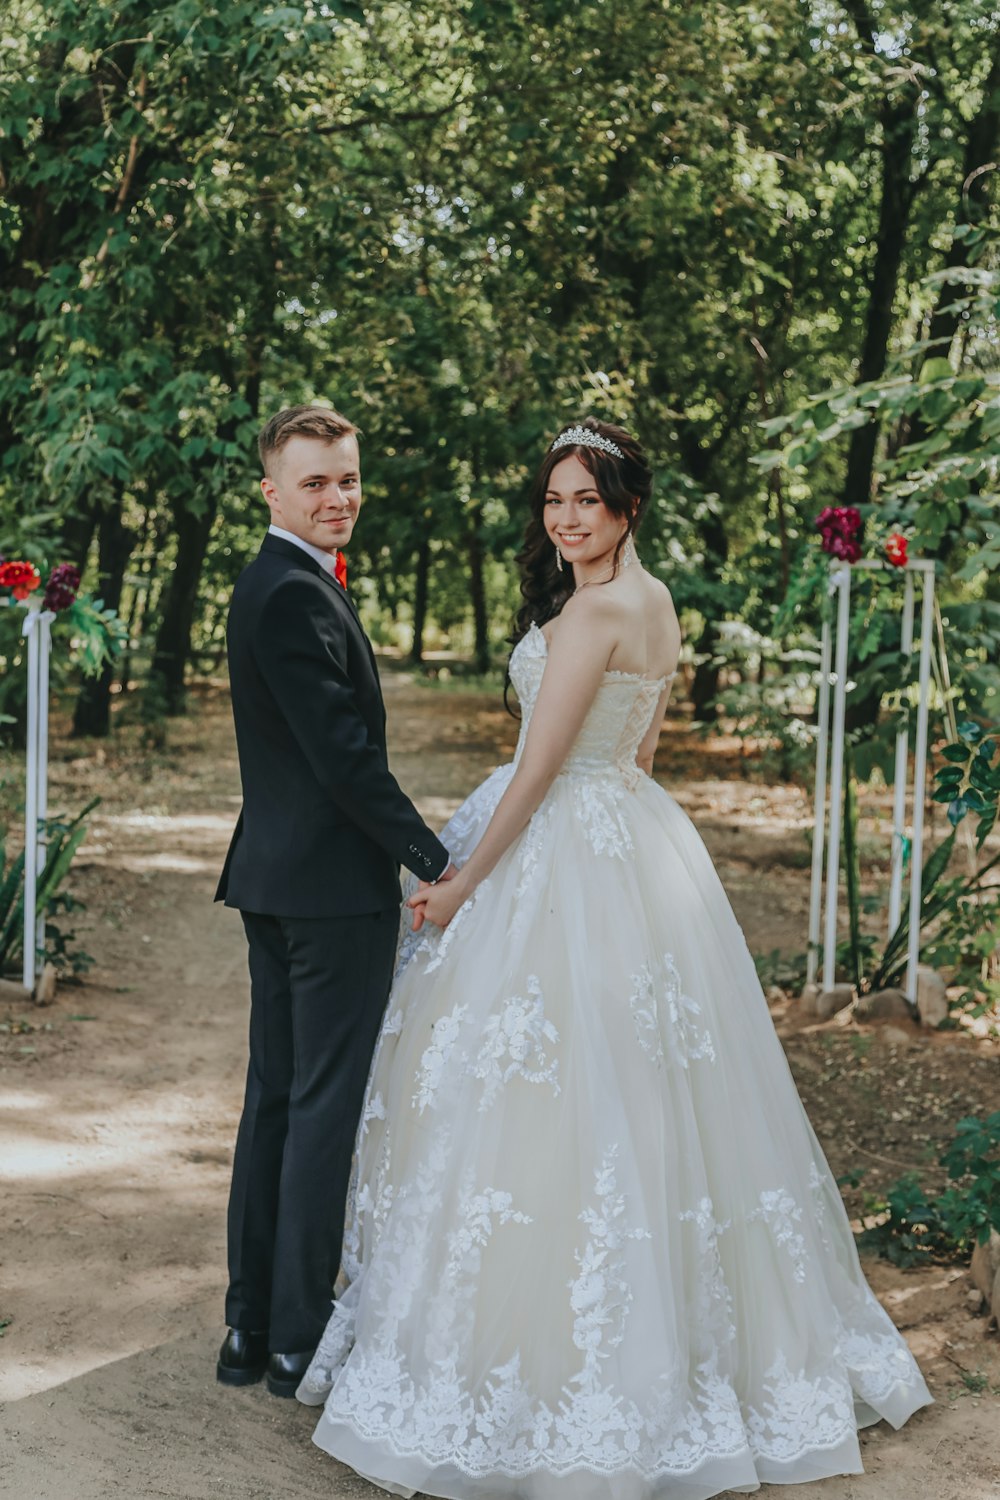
830 746
37 631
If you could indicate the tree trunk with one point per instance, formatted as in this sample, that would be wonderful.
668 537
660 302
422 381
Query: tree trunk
898 119
477 589
92 714
420 602
173 638
145 565
980 151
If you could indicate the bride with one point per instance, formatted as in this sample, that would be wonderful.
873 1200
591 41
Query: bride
596 1249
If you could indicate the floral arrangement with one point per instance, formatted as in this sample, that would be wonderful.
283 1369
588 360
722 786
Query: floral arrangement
21 578
840 527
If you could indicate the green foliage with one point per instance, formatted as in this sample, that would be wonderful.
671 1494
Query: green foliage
765 698
85 637
63 836
969 782
916 1226
464 223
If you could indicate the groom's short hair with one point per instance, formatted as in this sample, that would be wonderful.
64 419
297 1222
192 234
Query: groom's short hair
300 421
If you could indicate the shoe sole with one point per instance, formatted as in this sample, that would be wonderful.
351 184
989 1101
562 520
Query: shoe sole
285 1388
226 1376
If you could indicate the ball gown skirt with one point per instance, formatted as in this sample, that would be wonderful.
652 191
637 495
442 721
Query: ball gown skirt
595 1248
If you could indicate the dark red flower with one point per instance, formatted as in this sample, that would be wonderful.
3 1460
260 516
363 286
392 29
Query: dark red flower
62 587
838 526
20 577
895 550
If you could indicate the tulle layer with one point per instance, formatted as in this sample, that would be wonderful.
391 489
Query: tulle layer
597 1250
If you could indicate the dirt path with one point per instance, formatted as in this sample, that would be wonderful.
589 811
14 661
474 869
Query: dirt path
118 1109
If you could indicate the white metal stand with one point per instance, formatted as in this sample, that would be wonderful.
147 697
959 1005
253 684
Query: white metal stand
37 630
840 584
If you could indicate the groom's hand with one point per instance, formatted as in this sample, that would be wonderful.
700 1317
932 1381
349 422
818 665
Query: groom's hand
418 899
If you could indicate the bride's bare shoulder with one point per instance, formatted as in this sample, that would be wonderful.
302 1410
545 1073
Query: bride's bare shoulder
659 593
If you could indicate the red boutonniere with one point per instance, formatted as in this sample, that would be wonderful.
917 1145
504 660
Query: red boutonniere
22 578
895 550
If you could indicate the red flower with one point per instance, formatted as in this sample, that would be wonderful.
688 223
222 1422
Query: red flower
839 525
20 577
62 587
895 550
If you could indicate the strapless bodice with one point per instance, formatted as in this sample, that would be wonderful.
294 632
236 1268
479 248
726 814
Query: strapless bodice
617 721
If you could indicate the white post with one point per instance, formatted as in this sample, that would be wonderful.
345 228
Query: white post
819 803
841 579
30 632
899 776
44 632
919 781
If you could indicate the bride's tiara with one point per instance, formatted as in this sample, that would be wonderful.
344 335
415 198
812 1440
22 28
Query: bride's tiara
585 437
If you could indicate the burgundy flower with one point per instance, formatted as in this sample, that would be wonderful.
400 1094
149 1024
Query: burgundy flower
838 526
62 587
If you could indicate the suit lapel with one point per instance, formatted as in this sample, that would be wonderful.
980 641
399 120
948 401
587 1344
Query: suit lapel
345 598
302 559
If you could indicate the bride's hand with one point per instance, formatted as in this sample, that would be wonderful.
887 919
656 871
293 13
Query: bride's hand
437 903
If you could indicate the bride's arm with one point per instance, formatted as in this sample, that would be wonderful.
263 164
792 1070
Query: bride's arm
586 637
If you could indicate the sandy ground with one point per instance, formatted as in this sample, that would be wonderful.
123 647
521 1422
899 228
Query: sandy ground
119 1104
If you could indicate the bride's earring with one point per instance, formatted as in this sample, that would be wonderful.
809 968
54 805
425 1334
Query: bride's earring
559 561
628 554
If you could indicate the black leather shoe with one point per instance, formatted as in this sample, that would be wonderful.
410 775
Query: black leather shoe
242 1358
284 1371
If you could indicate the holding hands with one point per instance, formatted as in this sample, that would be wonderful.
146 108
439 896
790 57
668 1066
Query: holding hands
438 903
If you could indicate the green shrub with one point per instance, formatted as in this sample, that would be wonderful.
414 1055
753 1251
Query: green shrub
916 1227
64 837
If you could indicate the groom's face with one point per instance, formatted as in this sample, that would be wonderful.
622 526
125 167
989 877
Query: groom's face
313 489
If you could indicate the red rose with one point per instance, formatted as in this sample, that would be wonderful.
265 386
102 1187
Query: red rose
20 577
895 550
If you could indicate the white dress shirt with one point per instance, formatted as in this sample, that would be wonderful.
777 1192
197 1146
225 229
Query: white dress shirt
327 560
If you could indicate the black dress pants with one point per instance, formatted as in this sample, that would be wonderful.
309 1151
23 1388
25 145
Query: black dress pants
318 989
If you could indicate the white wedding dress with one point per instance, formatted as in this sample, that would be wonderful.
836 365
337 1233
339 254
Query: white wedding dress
596 1249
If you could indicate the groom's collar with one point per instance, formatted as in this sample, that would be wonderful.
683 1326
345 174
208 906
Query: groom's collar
326 560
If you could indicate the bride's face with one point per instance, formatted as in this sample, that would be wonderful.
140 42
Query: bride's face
576 518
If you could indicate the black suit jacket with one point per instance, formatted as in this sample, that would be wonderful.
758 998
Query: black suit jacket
324 826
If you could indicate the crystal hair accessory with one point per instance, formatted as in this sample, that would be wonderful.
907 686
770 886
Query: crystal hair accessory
585 437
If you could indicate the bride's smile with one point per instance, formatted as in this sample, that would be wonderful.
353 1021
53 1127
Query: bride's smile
581 527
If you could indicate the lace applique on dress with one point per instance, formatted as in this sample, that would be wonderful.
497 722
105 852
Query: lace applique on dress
444 1035
598 807
688 1039
799 1413
780 1212
645 1014
714 1324
514 1045
481 1212
600 1293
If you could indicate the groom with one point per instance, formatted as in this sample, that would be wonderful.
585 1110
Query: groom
313 868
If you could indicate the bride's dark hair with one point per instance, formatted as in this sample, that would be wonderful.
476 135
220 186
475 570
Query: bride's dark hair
624 484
